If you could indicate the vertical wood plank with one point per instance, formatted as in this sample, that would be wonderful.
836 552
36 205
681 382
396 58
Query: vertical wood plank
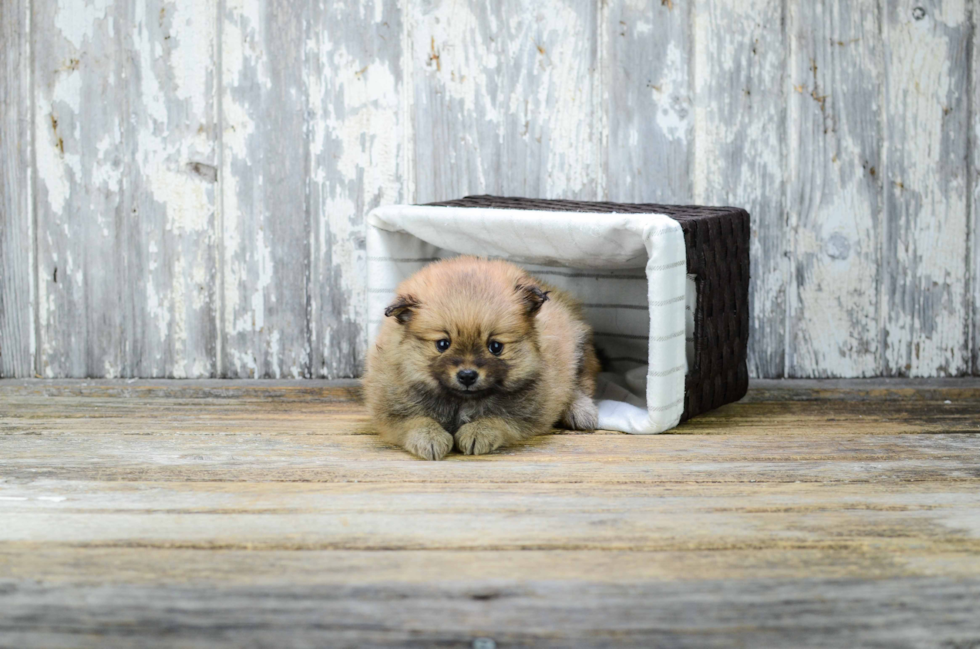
739 152
265 320
975 181
924 297
16 216
649 101
504 98
355 80
123 129
834 188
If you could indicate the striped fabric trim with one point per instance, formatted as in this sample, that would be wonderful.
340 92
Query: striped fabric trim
669 406
667 266
421 260
628 359
673 300
616 306
615 335
559 273
673 370
405 259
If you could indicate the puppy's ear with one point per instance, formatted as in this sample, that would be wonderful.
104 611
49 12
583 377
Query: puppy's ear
402 308
532 298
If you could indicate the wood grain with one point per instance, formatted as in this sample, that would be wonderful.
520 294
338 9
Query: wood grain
355 84
124 129
185 183
924 298
739 156
834 189
813 613
974 185
504 98
649 103
220 513
16 216
265 221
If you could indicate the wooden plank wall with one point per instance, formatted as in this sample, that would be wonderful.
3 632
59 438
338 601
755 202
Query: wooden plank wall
184 182
16 223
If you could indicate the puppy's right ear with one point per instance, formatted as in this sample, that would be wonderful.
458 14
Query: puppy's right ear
532 297
401 308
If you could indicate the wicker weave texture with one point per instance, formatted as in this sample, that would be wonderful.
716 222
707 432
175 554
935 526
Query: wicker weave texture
717 240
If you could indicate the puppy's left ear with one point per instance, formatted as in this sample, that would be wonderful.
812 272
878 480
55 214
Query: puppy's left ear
532 298
402 308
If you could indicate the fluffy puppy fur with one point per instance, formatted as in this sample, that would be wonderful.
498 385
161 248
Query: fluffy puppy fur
478 354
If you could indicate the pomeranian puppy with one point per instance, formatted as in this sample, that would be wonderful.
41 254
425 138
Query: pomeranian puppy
478 354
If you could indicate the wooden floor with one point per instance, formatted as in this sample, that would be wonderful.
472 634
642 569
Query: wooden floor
212 514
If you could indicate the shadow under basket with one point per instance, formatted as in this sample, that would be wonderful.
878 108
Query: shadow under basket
665 288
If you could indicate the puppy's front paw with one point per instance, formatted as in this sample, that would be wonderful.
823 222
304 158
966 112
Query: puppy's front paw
479 437
582 414
429 442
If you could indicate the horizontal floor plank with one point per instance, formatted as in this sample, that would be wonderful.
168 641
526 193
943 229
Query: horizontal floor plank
219 513
263 457
910 612
385 517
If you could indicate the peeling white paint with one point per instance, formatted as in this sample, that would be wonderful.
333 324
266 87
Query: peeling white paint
926 194
190 58
738 156
975 203
566 91
451 48
77 19
53 150
50 166
670 96
515 83
834 193
508 100
369 149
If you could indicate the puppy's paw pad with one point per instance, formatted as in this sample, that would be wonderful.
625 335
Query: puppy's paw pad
429 444
581 415
478 439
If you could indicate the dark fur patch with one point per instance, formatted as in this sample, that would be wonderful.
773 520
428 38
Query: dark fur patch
532 297
602 357
446 406
435 404
493 370
401 308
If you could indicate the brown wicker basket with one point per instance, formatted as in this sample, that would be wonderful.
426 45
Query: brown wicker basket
717 240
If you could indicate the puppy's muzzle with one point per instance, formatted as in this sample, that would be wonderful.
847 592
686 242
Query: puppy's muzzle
467 378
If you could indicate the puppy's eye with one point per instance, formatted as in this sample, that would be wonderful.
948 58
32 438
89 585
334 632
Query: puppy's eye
495 347
443 345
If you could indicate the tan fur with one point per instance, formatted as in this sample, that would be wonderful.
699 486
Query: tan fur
544 375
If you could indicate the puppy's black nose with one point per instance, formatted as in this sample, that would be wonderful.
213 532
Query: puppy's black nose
467 377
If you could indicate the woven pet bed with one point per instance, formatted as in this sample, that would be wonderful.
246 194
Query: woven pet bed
674 337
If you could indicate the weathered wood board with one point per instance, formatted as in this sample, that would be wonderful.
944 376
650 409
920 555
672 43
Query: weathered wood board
974 187
925 330
739 150
265 220
163 513
311 142
504 98
185 183
648 98
357 159
834 189
124 135
16 224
